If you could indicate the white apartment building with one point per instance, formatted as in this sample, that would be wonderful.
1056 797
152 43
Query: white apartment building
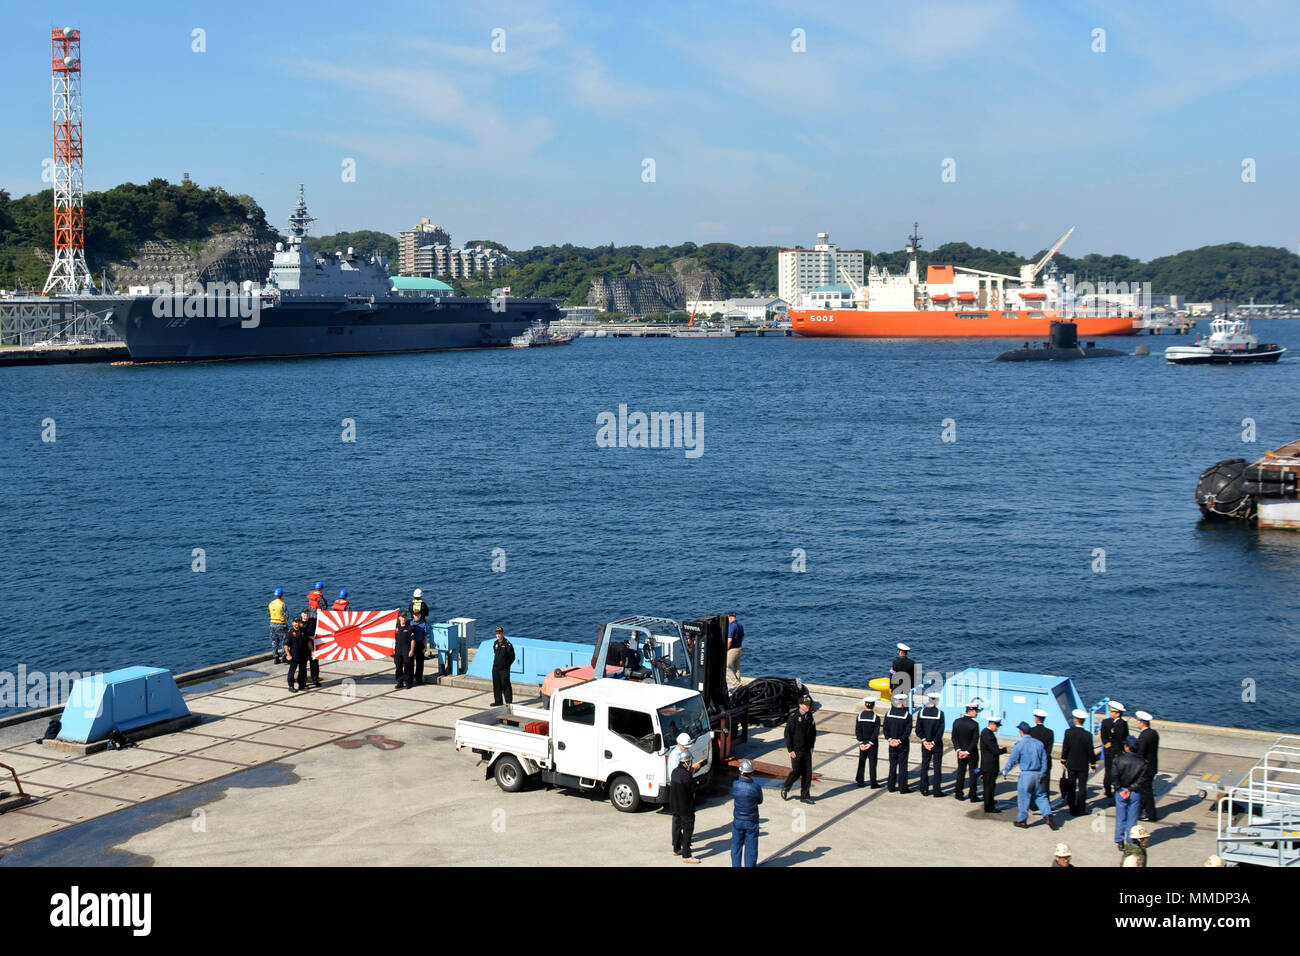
799 271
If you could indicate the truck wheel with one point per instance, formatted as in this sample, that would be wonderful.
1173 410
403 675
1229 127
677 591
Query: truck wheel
624 794
510 776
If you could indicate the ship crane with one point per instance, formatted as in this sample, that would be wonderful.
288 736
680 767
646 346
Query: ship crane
1029 273
860 293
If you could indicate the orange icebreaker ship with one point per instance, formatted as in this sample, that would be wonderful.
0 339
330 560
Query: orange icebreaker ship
953 301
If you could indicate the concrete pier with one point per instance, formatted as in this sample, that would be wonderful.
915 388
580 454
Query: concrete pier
358 773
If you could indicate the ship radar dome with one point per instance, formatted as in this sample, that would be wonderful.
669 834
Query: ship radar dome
279 247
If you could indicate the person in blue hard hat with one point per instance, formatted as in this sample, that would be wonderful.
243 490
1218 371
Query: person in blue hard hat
279 624
1028 754
341 603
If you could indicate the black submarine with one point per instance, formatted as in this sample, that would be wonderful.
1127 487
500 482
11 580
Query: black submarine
1062 345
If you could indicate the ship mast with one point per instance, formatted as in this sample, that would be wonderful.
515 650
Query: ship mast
913 246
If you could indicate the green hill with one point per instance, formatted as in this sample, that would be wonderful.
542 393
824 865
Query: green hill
118 220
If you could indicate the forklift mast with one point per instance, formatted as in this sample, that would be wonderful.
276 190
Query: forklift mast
707 641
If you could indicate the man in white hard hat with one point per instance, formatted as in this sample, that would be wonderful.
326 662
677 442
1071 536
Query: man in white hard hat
682 746
1078 756
1148 749
418 609
1062 856
1136 847
681 802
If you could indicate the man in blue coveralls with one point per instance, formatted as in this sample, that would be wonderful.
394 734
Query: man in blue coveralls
1031 757
746 795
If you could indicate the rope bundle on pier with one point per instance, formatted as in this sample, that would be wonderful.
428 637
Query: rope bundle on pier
768 700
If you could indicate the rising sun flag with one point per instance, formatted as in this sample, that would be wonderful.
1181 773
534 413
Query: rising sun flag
355 635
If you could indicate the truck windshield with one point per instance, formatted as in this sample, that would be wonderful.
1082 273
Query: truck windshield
684 717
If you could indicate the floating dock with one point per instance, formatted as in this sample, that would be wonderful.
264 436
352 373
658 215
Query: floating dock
358 773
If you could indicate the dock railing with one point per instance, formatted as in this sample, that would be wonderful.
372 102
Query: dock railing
1269 796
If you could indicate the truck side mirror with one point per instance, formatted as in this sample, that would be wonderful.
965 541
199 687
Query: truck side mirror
659 742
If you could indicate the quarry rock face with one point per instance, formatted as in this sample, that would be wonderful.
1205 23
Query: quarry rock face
641 292
240 254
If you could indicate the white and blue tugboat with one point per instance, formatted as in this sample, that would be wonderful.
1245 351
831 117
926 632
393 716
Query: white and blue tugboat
1230 343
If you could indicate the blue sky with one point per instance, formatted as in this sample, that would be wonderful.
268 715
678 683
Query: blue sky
1140 146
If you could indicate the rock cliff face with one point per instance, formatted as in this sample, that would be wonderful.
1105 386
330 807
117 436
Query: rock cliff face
243 253
640 292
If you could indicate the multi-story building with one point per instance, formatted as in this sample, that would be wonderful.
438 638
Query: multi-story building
800 271
426 251
412 240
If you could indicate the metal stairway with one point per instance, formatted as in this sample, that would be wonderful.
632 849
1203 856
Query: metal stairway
1268 802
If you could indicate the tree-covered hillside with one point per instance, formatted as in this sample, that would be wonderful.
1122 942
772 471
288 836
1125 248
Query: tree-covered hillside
118 220
363 242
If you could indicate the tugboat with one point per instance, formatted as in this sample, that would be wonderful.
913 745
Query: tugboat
1230 343
1062 345
537 335
1263 493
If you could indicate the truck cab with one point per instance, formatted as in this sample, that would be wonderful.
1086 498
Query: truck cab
613 734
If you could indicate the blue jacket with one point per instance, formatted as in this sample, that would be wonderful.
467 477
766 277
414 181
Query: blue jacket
747 795
1029 753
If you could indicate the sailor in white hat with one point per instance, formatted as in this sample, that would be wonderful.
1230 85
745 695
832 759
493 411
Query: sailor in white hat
1077 758
1047 737
1114 731
902 673
1061 856
930 725
867 730
898 734
990 762
965 741
1148 749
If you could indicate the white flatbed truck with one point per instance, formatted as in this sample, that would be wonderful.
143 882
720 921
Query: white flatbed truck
609 734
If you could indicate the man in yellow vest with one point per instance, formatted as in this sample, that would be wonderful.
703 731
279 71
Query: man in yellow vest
279 625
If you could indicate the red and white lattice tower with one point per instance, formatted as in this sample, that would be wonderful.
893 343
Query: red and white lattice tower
68 272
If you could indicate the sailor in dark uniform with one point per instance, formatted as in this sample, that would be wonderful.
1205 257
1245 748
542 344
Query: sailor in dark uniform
898 730
930 725
867 730
503 655
902 673
990 762
1114 731
1148 749
965 741
1077 757
1043 734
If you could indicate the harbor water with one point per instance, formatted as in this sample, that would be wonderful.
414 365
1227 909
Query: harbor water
849 494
